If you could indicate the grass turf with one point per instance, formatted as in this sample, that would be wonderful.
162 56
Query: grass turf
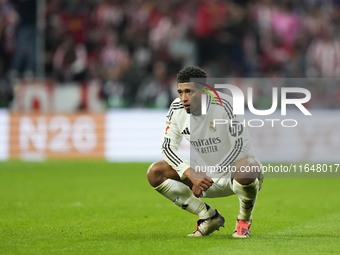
109 208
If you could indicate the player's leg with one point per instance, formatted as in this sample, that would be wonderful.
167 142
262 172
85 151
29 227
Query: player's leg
245 184
164 179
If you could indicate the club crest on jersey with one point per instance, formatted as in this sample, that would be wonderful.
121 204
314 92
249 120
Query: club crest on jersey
212 128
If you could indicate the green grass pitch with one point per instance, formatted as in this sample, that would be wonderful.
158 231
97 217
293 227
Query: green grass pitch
109 208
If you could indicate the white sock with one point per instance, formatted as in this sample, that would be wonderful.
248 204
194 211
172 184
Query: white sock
183 197
247 195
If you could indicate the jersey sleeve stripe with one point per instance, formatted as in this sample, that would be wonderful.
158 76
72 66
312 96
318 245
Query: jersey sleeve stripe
167 154
174 106
229 107
231 154
174 156
170 114
236 151
230 115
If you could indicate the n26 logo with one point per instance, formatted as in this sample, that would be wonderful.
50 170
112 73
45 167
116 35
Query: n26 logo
59 134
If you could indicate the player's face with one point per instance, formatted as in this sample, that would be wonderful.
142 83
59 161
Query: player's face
190 97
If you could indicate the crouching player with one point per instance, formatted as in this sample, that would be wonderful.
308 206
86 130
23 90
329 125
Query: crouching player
220 145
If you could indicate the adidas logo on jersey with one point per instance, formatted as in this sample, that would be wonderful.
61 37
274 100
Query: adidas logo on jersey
185 131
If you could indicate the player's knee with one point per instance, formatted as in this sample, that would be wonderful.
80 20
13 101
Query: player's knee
245 181
245 177
246 171
154 173
151 170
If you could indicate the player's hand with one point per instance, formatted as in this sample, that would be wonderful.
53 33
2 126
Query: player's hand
197 191
199 179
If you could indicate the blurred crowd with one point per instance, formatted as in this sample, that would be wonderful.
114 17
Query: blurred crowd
135 48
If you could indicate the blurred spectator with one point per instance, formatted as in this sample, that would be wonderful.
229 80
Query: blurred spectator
155 89
8 20
181 45
70 61
74 20
231 40
296 66
53 34
210 18
286 24
94 47
6 90
112 55
323 56
113 89
131 78
109 14
139 48
24 58
263 12
159 35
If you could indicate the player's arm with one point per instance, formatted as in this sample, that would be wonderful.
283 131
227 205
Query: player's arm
171 141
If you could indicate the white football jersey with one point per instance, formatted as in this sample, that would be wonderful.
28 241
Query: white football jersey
218 145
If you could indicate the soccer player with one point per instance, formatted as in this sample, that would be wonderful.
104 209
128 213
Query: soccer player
221 146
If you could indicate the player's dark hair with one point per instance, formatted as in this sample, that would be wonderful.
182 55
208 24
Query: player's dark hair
190 72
